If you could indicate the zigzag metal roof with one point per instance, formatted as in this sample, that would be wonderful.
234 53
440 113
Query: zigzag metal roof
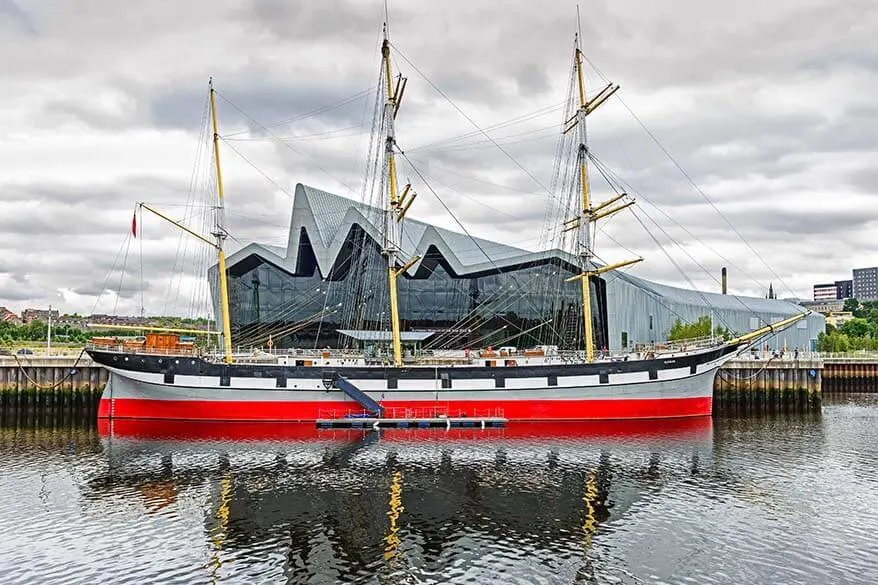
327 220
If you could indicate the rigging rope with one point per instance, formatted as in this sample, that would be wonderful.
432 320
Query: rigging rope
677 266
456 220
630 188
288 145
706 198
510 122
470 120
690 179
258 170
604 172
355 97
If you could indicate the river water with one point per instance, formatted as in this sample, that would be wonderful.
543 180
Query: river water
768 499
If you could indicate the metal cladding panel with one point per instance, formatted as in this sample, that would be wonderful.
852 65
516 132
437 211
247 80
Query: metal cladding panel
632 301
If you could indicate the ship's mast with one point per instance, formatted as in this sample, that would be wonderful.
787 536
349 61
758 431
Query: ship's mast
584 231
219 237
588 214
220 233
398 204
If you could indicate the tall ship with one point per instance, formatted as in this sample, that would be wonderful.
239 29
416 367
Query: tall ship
162 376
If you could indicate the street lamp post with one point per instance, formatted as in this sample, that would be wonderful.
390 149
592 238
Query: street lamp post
49 334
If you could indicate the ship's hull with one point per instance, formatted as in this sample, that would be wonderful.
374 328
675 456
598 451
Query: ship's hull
680 387
692 396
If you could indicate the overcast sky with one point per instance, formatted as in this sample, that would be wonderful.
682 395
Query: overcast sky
769 107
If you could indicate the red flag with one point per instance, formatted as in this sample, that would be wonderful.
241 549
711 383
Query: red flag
134 225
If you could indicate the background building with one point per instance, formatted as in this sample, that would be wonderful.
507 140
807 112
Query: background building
844 289
43 315
825 307
840 318
7 316
865 285
475 292
825 292
838 290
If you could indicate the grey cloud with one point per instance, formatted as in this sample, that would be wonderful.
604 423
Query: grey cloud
128 290
17 293
262 99
59 111
755 157
14 13
864 179
470 86
316 20
532 78
705 43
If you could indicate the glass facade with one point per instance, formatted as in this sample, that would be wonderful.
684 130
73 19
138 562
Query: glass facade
523 306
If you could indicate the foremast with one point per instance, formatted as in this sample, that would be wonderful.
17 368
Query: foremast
588 214
219 237
398 203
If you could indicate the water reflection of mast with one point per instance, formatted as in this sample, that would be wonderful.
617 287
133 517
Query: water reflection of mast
596 510
590 523
220 530
392 540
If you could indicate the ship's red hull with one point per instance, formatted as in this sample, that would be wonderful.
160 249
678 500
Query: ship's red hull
593 409
699 427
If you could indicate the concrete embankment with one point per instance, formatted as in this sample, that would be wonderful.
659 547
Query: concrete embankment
851 374
50 381
750 384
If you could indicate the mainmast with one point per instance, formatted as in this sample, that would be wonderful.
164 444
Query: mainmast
398 204
220 233
588 214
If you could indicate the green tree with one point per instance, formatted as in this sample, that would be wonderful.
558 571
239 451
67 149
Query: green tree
34 331
833 342
856 328
698 328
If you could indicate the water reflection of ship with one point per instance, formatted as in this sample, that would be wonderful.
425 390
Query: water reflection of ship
360 496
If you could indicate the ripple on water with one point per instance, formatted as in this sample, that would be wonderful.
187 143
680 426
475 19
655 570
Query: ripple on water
786 499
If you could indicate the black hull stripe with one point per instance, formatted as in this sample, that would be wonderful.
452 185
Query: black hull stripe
193 366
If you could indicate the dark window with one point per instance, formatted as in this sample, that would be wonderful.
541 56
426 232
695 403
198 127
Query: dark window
169 377
500 381
604 377
553 380
653 374
446 380
392 381
264 296
281 381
